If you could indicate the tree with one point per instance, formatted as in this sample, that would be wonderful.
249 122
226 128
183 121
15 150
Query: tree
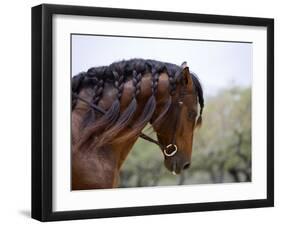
224 140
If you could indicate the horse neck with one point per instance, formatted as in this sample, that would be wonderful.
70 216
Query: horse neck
123 148
161 97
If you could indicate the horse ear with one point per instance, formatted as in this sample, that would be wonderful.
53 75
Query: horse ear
187 76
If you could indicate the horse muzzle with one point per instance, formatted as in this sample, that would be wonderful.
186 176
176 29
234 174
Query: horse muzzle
175 161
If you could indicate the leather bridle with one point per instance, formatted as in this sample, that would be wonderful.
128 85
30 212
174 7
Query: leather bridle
168 150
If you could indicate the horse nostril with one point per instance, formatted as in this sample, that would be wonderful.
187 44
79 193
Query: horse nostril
186 165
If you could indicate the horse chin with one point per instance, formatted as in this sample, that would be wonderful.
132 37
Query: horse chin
172 166
177 163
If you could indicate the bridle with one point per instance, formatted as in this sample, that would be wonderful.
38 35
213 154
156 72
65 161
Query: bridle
168 150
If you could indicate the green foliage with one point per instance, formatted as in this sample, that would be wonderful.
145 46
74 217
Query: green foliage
221 150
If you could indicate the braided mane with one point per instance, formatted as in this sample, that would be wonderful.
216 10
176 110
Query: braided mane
117 74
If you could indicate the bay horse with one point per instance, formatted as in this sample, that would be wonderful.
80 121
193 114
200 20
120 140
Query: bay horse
112 104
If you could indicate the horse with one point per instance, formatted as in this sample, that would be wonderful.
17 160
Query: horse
112 104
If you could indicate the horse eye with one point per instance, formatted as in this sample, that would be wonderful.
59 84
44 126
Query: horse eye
191 115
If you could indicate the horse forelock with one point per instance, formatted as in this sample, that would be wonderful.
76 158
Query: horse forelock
114 121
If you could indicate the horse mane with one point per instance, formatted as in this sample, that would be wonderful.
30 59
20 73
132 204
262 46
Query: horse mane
116 75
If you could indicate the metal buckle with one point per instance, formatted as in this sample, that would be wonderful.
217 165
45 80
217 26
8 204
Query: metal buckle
173 152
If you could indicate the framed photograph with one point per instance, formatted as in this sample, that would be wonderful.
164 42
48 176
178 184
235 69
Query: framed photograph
145 112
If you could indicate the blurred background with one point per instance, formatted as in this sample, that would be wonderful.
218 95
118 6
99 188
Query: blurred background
222 146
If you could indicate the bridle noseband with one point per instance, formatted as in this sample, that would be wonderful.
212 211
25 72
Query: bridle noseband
175 149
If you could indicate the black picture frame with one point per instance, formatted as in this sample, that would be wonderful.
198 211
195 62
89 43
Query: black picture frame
42 111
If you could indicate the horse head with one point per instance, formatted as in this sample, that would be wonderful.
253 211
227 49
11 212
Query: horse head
176 129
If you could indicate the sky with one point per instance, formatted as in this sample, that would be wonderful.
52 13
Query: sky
218 65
